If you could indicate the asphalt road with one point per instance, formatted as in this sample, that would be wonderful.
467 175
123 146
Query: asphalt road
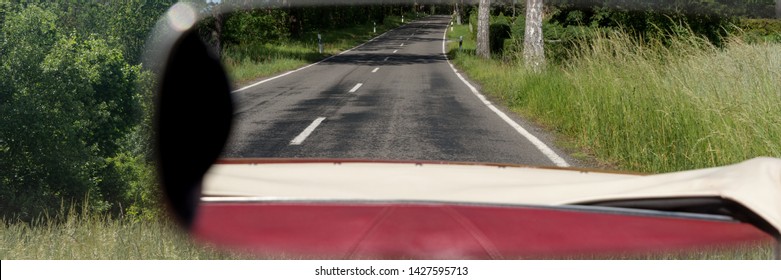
395 97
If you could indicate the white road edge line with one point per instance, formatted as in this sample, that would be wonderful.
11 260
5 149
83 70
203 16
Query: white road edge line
310 65
547 151
375 70
356 87
308 130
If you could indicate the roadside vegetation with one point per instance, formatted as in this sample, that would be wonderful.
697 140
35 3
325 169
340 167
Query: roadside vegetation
676 96
84 234
75 107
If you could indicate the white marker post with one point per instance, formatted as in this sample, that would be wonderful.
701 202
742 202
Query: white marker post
402 18
375 27
319 43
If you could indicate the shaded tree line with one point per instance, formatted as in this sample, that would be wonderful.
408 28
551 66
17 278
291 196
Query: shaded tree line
286 21
74 103
569 22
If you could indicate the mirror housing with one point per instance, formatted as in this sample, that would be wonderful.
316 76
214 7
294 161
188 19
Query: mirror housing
192 120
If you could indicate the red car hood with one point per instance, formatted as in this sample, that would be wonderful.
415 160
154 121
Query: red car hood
432 210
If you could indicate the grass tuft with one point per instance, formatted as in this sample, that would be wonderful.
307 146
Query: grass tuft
74 235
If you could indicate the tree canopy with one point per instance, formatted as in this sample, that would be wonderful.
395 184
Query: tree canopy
70 97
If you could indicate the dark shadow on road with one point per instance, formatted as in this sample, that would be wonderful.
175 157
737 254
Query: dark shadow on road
373 59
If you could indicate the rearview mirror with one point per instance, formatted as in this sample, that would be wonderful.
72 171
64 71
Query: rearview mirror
194 107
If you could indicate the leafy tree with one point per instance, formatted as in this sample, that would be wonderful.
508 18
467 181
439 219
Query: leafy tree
125 24
132 22
265 25
66 101
4 8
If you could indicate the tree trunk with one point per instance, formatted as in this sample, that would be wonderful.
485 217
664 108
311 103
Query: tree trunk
778 9
533 48
217 32
483 48
458 14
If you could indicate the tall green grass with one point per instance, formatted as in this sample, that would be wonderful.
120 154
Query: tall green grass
246 62
74 234
651 105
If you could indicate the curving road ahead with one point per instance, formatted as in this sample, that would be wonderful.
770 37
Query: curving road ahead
394 97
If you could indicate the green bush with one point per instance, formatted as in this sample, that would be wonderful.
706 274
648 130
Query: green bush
473 24
647 20
66 101
255 26
760 30
498 32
